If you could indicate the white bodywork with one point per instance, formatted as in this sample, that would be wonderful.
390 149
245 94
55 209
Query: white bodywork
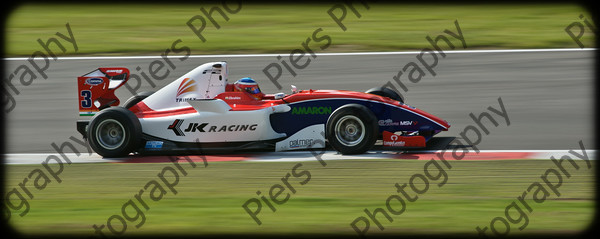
310 137
215 126
214 121
206 82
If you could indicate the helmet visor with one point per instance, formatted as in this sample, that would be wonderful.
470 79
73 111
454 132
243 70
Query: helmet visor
252 89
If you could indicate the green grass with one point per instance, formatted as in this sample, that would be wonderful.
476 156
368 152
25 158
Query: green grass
209 199
126 29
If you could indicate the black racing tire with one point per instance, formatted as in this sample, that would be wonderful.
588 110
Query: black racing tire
386 92
133 100
114 132
352 129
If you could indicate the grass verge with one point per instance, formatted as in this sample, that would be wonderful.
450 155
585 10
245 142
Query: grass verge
209 200
126 29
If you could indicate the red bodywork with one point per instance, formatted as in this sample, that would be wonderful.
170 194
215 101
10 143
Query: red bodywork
243 101
95 90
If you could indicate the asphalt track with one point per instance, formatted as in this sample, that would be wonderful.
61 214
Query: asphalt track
316 155
548 95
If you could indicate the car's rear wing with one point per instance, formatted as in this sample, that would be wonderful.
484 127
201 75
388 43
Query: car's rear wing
96 90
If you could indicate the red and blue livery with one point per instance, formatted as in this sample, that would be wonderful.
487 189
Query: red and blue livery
201 111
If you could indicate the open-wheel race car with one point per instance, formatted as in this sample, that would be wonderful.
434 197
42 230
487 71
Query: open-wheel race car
202 111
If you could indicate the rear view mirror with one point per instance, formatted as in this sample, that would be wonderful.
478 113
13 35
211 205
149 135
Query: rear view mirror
279 96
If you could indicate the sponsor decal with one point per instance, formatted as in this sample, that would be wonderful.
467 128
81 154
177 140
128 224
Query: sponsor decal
307 138
115 71
187 86
206 127
387 122
185 99
94 81
390 122
408 122
394 142
301 143
154 144
233 98
315 110
175 127
193 127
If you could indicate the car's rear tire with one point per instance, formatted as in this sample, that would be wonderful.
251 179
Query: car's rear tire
352 129
386 92
133 100
114 132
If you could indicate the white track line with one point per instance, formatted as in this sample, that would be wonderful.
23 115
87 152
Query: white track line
318 54
291 156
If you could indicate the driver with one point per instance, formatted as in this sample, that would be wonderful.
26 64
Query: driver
250 86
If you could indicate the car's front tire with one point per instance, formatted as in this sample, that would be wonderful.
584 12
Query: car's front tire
114 132
352 129
385 92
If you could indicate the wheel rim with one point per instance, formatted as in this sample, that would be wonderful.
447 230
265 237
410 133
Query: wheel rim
349 130
110 134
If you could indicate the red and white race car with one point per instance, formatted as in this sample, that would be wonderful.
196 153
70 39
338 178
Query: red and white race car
202 111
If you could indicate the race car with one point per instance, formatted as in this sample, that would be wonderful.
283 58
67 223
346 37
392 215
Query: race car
201 111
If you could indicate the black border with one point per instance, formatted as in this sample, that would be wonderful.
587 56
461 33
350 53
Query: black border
9 6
